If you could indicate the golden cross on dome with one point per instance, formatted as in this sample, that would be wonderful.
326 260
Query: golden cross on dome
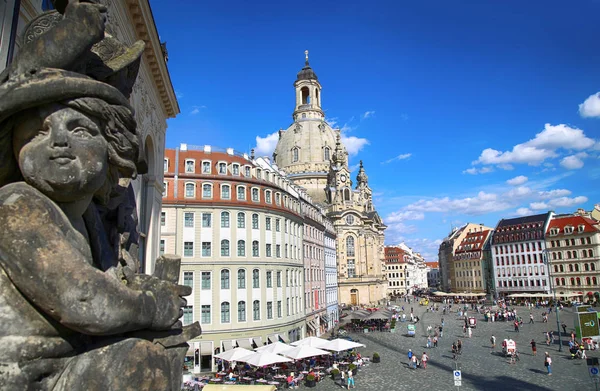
306 54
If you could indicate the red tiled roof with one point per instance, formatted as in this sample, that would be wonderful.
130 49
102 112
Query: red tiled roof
433 265
575 222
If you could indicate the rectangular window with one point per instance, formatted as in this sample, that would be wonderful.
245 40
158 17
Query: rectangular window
189 166
241 220
277 225
241 311
254 221
256 310
278 250
279 308
188 249
206 314
268 223
166 165
241 193
268 250
269 279
206 220
255 279
190 188
206 249
236 169
255 197
188 315
225 192
222 168
287 306
188 218
206 167
163 219
351 270
188 279
278 279
225 279
247 171
269 310
164 189
206 191
225 313
162 247
205 280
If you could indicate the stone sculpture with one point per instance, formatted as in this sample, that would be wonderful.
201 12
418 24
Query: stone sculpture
75 313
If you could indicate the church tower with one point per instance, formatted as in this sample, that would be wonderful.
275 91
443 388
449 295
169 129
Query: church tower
305 148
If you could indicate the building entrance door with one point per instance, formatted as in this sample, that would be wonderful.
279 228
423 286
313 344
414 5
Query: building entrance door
354 297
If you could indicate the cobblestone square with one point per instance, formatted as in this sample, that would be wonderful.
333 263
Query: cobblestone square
481 368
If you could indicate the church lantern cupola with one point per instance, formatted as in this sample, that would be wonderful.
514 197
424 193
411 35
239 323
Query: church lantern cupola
308 94
339 155
361 178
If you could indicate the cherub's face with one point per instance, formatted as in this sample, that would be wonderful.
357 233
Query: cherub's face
61 152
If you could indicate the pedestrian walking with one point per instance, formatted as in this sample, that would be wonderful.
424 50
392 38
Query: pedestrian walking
428 342
564 327
410 356
516 326
533 347
435 341
414 361
350 379
470 331
493 342
530 318
424 359
548 363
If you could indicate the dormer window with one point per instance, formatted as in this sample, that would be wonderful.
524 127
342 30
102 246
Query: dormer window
258 173
189 165
554 231
222 168
247 171
206 167
581 228
166 165
568 230
235 169
277 198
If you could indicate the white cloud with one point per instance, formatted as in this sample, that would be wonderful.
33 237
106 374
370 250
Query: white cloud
354 144
554 193
480 204
332 121
506 167
519 192
538 205
178 94
475 171
523 212
543 146
561 136
591 106
266 145
567 202
399 157
368 114
518 180
404 215
196 109
573 162
353 167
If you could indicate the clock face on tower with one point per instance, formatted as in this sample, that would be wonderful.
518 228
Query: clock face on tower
343 178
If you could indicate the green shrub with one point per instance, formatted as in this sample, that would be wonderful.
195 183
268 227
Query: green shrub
375 355
310 377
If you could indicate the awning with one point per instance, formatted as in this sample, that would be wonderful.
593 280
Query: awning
273 338
324 319
284 338
244 343
258 341
206 348
227 345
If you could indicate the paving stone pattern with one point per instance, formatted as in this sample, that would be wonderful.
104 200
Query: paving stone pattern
481 368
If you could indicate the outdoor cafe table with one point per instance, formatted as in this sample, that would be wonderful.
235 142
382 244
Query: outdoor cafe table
262 381
279 377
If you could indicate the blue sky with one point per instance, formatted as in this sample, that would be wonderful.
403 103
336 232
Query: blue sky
462 111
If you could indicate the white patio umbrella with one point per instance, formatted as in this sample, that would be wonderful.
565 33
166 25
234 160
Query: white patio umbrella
313 341
276 347
234 354
303 351
262 359
338 345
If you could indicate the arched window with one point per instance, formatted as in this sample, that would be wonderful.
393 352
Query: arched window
224 248
224 219
225 315
224 279
562 281
241 193
588 281
592 266
295 154
255 278
578 281
576 267
242 279
225 192
305 95
255 248
241 311
241 248
557 281
255 221
562 269
241 220
350 246
207 190
572 281
586 267
570 267
190 190
346 194
327 153
568 255
256 310
575 254
594 281
590 253
560 255
555 269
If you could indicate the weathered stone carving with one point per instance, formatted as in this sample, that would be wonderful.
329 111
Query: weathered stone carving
75 314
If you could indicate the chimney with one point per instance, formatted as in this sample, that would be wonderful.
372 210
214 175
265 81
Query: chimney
252 154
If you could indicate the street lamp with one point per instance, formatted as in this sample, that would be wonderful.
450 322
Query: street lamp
546 255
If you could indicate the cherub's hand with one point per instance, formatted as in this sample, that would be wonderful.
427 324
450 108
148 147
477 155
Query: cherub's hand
93 16
168 299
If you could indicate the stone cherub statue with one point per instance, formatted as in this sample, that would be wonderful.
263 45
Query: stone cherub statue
75 314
